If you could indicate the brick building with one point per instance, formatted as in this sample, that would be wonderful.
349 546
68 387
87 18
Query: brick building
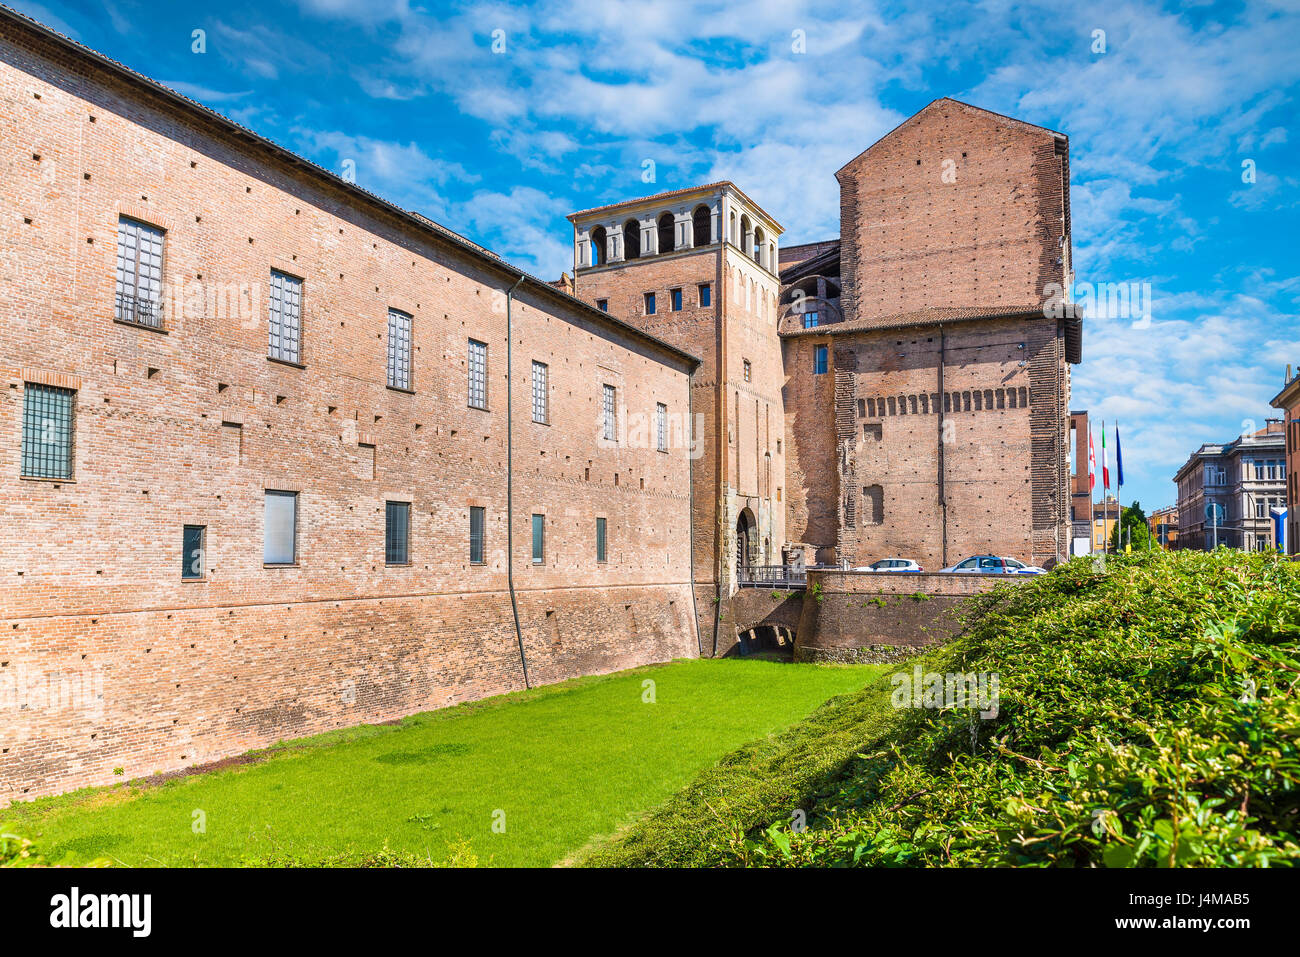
277 456
258 469
927 351
920 361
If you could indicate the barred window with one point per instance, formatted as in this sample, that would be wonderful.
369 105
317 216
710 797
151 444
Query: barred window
610 414
48 427
477 374
541 410
397 532
285 326
661 426
600 540
476 534
139 273
399 349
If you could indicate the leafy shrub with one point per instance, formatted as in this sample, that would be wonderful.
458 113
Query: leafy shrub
1148 717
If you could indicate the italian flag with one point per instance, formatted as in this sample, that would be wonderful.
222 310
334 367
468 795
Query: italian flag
1105 463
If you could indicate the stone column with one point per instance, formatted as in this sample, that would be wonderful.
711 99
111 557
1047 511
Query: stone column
615 234
685 229
649 237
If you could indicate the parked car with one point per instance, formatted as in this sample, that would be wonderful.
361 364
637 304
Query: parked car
891 565
994 565
1017 567
979 565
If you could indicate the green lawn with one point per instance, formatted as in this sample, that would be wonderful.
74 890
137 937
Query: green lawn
560 766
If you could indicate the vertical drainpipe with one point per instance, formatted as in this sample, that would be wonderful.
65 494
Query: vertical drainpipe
510 479
943 497
719 431
690 501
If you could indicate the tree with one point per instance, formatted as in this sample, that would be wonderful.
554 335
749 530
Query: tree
1132 529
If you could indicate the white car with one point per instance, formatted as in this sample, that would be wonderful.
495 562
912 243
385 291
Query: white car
891 565
1015 567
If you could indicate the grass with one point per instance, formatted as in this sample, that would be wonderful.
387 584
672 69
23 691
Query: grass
562 766
764 781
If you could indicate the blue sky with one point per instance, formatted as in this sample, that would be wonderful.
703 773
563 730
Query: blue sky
501 144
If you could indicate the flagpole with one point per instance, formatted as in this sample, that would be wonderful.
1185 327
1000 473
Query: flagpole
1105 488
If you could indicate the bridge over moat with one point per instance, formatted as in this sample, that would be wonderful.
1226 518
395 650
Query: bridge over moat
848 616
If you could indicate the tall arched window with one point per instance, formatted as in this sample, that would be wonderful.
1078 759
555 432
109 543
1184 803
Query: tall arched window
746 241
759 251
598 246
702 226
731 232
631 239
666 243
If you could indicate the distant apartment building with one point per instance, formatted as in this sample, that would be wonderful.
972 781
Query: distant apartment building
1288 400
1228 492
1163 523
1105 516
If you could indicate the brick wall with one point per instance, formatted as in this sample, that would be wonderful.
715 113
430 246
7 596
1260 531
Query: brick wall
956 207
119 662
873 486
881 617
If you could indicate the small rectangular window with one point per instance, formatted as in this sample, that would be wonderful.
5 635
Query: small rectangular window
820 360
749 372
609 413
676 295
397 533
48 428
539 539
478 395
649 304
600 540
139 273
477 535
399 349
193 547
541 394
706 294
810 320
602 305
284 328
280 528
661 426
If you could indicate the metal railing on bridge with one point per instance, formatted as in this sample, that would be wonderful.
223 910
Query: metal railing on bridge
773 576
